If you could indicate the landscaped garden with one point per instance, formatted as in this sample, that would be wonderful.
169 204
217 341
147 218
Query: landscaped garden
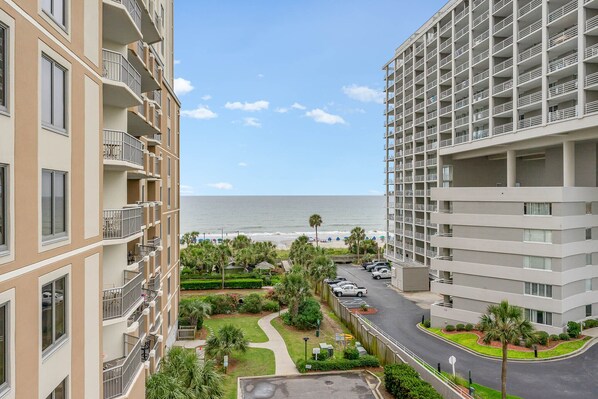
253 362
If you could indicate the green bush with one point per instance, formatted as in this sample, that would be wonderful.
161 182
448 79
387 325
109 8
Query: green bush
216 284
529 343
460 327
308 316
564 337
449 328
542 337
222 304
252 303
427 323
338 364
592 323
402 381
351 353
271 306
553 337
323 355
468 327
573 329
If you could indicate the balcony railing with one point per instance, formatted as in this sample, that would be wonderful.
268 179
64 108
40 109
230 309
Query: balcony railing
501 45
562 62
500 5
122 223
499 88
526 9
561 114
530 98
118 374
117 68
592 23
530 52
134 10
501 129
591 79
592 107
562 37
530 122
531 28
561 11
117 302
563 88
504 23
499 109
503 65
591 51
120 146
530 75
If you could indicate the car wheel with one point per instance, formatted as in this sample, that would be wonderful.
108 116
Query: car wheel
359 294
339 294
377 277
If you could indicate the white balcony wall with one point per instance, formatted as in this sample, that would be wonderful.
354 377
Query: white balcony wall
115 189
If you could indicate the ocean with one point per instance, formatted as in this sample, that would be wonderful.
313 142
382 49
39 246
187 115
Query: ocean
282 218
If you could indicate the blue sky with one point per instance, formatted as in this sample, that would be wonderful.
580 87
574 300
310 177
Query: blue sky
284 97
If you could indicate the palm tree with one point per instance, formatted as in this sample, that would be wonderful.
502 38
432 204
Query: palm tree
226 340
164 386
320 268
356 238
315 220
301 252
295 290
222 255
195 310
506 324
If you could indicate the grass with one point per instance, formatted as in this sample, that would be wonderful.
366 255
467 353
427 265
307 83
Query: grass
254 362
248 323
200 294
469 340
481 391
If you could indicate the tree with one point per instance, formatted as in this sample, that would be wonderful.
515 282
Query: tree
181 376
320 268
315 221
301 252
506 324
195 310
226 340
239 242
245 257
294 289
355 239
222 256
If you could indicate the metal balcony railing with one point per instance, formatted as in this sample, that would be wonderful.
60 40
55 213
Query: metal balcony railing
591 79
592 107
499 88
562 37
116 302
481 76
118 374
530 98
133 9
528 30
481 38
117 68
530 75
501 129
562 11
501 45
499 109
500 4
530 122
461 67
591 51
530 52
561 114
157 215
122 223
562 62
503 65
462 85
503 24
446 143
154 282
462 14
480 19
563 88
592 23
526 9
120 146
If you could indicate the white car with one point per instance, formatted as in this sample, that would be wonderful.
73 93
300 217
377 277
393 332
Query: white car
382 273
341 284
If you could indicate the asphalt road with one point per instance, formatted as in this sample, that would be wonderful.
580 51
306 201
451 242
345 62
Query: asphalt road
576 377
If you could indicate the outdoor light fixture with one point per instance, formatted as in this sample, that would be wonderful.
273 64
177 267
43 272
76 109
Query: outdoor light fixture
305 339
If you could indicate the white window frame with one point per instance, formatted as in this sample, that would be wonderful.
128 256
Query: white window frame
52 394
528 208
5 64
538 289
532 316
589 285
61 235
56 342
51 126
51 15
535 235
527 263
7 299
4 226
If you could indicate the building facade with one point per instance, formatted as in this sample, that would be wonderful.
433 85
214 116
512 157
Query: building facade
492 133
89 203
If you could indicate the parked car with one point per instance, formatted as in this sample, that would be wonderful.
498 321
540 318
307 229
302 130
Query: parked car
350 290
331 281
379 267
340 284
382 273
366 264
378 263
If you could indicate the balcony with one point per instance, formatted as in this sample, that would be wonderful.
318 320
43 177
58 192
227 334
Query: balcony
530 122
503 108
139 57
530 53
592 24
122 83
529 31
122 223
501 5
501 27
506 44
528 8
118 374
562 63
530 76
563 37
154 139
121 21
504 68
562 114
563 89
530 99
117 302
503 87
122 151
141 119
591 81
501 129
151 23
562 11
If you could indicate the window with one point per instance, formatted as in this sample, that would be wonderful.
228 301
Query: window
3 66
169 197
588 208
537 208
53 95
169 158
588 310
3 208
168 106
537 262
588 234
59 392
53 313
538 316
169 256
588 284
53 204
168 226
4 365
169 287
169 315
588 259
168 137
536 289
55 9
537 235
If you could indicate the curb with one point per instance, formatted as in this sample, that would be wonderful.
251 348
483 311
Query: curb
591 342
377 388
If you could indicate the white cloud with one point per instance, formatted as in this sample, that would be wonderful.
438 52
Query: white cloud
201 112
321 116
250 107
253 122
364 94
298 106
221 186
282 110
182 86
177 62
206 97
242 164
187 190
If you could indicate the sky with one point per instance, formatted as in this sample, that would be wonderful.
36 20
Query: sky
284 97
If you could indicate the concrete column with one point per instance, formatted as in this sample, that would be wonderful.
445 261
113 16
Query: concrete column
569 164
511 168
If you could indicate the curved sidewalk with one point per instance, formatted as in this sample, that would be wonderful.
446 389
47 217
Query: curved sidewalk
284 363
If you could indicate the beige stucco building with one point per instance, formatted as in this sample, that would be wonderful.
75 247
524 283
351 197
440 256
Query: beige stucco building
89 196
491 154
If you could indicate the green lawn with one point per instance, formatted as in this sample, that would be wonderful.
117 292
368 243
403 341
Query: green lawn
489 393
248 323
254 362
469 340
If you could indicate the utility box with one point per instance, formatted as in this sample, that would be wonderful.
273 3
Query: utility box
410 277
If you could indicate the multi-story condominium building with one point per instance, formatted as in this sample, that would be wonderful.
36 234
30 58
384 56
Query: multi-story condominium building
492 136
89 183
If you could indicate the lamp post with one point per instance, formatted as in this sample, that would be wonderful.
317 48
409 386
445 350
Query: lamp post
305 339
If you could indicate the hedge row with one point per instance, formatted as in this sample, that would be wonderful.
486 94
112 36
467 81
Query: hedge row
338 364
403 382
215 284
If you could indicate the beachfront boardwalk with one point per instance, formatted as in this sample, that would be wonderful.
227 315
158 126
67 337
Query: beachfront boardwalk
284 363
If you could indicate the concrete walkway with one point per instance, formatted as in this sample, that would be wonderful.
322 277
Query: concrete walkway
284 363
591 332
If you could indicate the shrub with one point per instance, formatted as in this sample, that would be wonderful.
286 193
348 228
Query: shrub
427 323
208 284
590 323
308 316
338 364
252 303
542 337
564 337
468 327
271 306
573 329
402 381
351 353
222 304
529 343
553 337
323 355
364 307
460 327
449 328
